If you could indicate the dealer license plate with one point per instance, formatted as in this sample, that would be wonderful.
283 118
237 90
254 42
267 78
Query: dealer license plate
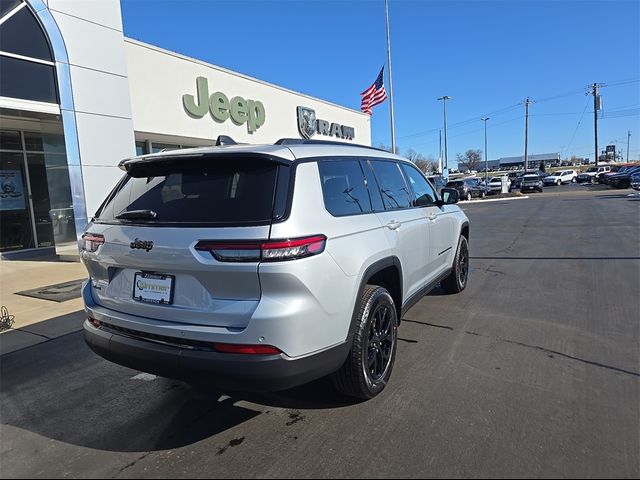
153 288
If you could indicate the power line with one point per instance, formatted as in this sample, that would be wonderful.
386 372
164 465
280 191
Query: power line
586 105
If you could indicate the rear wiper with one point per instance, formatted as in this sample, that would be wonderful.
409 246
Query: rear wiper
137 214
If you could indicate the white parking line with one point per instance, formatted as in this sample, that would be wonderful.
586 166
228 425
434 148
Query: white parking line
494 200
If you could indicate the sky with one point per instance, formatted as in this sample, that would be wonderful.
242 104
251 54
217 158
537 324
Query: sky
487 55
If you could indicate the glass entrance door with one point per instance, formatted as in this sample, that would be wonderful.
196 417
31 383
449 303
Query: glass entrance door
16 218
36 209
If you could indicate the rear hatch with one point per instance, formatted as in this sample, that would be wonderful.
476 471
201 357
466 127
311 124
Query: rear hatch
149 264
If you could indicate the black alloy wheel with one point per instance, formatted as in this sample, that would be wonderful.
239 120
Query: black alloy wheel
459 276
380 343
367 369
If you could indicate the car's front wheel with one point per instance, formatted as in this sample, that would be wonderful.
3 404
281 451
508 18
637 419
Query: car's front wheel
469 196
457 279
368 367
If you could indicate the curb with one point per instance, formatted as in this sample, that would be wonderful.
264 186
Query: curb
494 200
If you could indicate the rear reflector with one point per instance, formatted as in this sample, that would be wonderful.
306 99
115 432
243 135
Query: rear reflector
246 349
91 241
266 251
94 322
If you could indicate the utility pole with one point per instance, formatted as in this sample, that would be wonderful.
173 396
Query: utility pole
527 102
440 154
628 137
446 145
486 157
596 107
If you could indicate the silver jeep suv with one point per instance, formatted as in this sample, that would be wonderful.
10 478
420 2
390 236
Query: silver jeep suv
266 267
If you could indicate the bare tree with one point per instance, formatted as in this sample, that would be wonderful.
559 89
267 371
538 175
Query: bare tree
426 165
471 160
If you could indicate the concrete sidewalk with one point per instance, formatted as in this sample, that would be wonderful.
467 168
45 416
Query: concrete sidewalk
16 276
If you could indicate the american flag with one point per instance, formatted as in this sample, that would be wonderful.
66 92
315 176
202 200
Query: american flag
374 95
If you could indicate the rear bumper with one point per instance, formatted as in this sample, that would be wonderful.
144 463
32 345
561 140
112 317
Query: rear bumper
226 371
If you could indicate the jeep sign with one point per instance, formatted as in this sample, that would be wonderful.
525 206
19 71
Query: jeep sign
221 108
309 125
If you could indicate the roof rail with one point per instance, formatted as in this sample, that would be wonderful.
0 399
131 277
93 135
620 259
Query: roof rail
303 141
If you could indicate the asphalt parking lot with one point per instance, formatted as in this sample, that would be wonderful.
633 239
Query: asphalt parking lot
532 371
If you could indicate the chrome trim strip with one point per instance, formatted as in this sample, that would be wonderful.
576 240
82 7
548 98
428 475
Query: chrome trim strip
65 91
12 13
28 59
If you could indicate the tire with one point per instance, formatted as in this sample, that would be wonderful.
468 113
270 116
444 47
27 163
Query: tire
469 196
573 180
593 180
457 279
375 340
558 183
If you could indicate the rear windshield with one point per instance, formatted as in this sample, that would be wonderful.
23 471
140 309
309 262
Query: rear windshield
454 184
202 192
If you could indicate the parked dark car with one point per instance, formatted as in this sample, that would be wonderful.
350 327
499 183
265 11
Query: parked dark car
531 183
517 182
469 188
615 169
622 180
635 181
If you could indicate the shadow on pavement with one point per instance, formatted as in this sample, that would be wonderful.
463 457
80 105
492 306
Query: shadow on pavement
61 390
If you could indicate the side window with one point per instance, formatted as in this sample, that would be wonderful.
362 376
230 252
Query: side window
343 187
395 193
374 190
424 194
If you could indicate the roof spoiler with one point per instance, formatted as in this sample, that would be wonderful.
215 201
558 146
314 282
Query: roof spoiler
225 140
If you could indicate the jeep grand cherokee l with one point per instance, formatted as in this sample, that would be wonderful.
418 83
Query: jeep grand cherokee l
266 267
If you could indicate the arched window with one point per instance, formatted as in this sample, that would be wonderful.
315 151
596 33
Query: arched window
26 62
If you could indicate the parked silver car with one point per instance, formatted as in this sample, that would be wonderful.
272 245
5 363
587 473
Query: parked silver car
265 267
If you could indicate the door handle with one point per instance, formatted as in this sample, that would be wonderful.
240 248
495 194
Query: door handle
393 225
433 216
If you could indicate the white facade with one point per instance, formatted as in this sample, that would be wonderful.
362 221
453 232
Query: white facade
117 97
158 79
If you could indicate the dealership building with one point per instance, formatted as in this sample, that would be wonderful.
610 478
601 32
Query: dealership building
76 97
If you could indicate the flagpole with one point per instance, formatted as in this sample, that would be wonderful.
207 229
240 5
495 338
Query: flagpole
393 130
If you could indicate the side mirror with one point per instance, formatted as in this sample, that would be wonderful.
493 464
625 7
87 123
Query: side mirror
449 196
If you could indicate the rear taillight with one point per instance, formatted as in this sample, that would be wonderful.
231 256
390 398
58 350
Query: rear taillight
91 241
246 349
264 250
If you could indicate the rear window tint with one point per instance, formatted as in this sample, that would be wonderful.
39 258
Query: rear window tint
395 193
343 187
207 191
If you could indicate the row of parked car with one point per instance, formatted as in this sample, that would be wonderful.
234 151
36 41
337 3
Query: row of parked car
616 176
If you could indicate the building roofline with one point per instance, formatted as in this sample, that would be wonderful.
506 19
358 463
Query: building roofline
239 75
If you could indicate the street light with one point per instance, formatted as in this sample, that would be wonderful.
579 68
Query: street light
486 157
446 145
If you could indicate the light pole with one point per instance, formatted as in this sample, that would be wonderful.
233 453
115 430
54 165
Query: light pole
446 145
486 156
628 137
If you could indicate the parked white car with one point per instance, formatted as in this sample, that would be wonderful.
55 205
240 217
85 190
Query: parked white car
563 176
495 184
